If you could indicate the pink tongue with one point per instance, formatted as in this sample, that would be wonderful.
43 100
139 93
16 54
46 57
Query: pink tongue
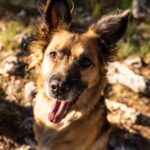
57 110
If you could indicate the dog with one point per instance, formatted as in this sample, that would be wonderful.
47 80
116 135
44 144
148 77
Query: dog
69 111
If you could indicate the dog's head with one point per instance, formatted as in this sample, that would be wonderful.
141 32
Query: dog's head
72 63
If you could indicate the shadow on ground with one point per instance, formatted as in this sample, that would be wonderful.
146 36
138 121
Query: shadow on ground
15 121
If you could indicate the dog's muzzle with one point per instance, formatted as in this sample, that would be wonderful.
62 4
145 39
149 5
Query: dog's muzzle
63 92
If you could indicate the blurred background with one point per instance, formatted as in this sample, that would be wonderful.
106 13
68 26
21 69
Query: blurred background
17 19
128 93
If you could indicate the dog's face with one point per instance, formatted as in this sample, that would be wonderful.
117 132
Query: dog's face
70 66
72 63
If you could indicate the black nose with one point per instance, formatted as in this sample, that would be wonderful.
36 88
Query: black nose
57 87
54 86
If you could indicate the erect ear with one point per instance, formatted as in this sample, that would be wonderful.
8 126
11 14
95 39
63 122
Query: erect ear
109 30
57 13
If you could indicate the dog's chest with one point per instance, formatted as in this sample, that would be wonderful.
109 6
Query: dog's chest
65 137
68 135
71 137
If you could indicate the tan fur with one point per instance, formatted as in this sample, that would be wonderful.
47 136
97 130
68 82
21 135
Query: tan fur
85 125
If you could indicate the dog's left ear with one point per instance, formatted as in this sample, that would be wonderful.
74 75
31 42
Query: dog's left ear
109 30
57 14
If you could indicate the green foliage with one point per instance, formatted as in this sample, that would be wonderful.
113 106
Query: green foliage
131 48
5 3
18 3
125 4
135 42
11 36
132 43
97 9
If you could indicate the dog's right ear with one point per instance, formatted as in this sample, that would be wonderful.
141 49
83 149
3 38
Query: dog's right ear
57 14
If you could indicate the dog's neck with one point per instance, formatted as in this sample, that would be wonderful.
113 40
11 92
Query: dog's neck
92 95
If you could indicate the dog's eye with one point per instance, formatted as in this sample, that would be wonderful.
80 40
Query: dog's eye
53 55
85 63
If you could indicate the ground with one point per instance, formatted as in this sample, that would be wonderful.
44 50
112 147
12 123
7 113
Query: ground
16 117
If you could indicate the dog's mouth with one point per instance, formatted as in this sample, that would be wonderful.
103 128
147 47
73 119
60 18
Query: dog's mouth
58 109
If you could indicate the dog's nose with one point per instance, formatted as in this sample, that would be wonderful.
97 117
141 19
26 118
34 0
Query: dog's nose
58 88
54 86
64 88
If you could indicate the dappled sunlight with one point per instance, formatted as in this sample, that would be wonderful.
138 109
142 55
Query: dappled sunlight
127 92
